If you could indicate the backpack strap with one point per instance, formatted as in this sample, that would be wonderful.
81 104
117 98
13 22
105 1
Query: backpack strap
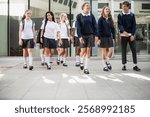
44 26
23 24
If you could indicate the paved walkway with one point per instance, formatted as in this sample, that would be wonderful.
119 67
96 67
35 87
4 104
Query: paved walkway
71 83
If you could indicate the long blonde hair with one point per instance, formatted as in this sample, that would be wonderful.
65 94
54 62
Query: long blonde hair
24 15
109 15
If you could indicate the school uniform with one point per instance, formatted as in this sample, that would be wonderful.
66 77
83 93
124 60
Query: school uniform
106 32
27 35
76 39
127 22
87 29
49 34
64 35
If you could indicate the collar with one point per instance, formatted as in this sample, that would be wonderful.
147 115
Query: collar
126 13
86 14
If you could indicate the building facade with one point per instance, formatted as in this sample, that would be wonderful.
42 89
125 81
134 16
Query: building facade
11 12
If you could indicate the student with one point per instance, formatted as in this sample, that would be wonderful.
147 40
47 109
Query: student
106 34
127 27
76 42
87 31
27 38
49 27
65 35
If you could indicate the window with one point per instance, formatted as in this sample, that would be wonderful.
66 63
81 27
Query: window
74 4
146 6
70 3
55 0
60 1
65 2
101 5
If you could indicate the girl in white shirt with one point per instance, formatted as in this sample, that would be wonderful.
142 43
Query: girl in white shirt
65 35
49 29
27 38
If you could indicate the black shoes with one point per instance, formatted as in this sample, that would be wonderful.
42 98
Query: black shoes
61 61
77 64
109 66
136 68
81 66
65 65
48 67
105 69
86 71
58 62
42 63
124 68
25 66
30 67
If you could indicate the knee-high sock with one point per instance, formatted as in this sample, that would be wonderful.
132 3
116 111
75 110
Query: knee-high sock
104 62
42 56
82 59
47 58
86 63
24 60
30 60
77 59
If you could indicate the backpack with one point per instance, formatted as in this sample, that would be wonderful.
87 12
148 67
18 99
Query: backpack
38 40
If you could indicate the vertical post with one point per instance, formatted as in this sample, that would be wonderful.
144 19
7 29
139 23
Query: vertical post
91 5
49 5
132 6
112 8
8 29
91 12
70 24
28 4
112 12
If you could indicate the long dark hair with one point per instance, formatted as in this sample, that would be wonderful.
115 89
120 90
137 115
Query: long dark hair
109 15
24 15
52 14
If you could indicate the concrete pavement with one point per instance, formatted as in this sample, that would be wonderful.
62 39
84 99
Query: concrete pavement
63 83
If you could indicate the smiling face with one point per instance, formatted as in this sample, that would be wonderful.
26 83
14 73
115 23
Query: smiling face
28 14
106 11
86 8
49 17
125 8
63 18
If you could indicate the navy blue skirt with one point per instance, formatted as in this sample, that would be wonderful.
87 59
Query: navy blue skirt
106 42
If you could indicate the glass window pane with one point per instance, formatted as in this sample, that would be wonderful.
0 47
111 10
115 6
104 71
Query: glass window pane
3 31
17 9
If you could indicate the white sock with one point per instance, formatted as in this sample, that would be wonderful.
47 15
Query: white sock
42 55
30 60
108 59
47 59
77 59
81 59
64 60
135 65
58 57
61 58
104 63
25 60
86 63
42 58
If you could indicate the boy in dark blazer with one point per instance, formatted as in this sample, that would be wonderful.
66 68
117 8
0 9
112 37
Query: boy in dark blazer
127 28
